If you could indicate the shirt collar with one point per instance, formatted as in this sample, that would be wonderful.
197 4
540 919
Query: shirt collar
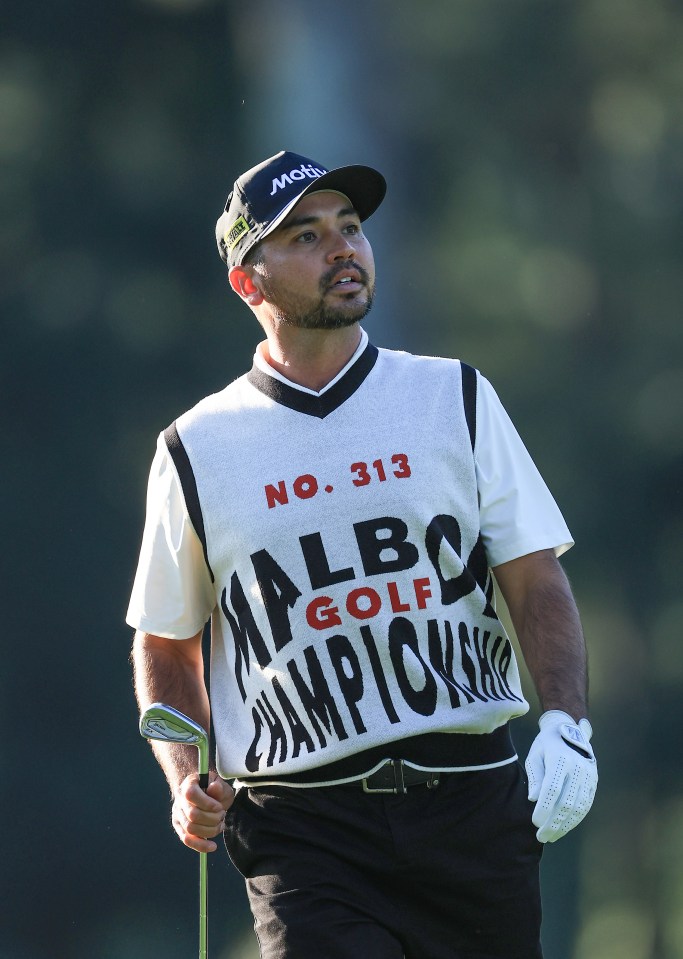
261 363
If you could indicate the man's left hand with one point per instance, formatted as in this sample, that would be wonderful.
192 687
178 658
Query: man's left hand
563 774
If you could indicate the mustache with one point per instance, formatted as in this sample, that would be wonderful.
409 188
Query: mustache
330 277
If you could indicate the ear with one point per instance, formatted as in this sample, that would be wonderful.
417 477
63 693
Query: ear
243 285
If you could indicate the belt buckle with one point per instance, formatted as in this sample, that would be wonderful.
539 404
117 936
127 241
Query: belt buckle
399 787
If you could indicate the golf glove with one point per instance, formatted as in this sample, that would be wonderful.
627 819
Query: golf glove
563 774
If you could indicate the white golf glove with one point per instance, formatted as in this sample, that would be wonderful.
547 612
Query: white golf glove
563 774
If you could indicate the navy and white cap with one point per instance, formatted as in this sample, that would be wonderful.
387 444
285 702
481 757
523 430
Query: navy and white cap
262 197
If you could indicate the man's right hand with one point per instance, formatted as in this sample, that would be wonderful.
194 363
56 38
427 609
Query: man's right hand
196 815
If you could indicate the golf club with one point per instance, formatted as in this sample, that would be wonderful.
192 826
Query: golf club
168 725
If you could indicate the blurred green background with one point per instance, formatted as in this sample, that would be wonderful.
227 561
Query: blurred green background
533 227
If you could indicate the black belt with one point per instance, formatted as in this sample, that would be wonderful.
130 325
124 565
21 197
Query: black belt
433 751
395 776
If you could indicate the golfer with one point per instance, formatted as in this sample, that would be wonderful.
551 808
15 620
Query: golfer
340 513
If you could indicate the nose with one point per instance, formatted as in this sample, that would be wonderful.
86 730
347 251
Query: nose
340 249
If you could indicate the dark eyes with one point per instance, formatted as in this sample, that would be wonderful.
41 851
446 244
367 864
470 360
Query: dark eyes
309 236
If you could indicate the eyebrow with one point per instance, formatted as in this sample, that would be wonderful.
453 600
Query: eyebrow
298 221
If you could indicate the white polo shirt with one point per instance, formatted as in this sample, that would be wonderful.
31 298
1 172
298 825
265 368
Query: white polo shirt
341 543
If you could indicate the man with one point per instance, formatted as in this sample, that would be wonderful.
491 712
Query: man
338 512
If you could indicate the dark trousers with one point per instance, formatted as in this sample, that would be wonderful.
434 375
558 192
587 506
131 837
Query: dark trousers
448 873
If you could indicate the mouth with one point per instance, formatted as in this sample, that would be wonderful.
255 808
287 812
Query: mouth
348 281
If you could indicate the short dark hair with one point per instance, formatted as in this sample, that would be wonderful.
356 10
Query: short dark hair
253 256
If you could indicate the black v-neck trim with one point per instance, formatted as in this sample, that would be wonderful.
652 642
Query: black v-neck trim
320 406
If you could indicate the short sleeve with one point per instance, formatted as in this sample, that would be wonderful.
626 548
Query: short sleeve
518 514
173 595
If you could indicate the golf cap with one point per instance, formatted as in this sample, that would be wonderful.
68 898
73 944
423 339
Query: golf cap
262 197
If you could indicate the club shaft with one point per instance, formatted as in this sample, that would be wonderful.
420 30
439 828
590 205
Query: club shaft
203 860
203 920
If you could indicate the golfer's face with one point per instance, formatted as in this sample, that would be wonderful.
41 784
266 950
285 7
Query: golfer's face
317 268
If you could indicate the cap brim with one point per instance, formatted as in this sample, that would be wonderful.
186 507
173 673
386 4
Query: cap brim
364 186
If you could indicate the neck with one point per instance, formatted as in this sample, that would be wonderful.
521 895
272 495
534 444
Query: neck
311 358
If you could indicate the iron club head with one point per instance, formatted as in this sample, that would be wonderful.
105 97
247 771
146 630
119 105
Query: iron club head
169 725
